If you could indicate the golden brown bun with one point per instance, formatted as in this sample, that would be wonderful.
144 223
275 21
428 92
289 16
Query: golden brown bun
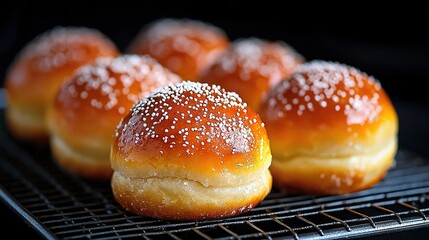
184 46
86 110
332 129
251 67
39 70
191 151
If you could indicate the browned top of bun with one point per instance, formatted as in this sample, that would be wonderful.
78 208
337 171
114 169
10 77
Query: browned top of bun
42 65
328 104
194 131
92 102
182 45
251 67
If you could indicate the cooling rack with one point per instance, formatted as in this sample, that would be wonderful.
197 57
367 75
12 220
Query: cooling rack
59 205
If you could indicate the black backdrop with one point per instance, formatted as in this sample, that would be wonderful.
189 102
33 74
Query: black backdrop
387 41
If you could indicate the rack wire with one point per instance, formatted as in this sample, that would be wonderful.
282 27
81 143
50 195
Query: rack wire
59 205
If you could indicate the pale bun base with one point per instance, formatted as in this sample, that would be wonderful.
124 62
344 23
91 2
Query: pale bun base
27 125
84 165
341 175
182 199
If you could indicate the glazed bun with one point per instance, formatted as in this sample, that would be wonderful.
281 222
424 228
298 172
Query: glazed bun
86 110
190 151
332 128
40 69
251 67
184 46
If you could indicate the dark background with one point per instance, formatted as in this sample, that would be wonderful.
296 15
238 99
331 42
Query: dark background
390 41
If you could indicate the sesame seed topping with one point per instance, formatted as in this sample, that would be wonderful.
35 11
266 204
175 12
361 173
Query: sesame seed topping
218 116
165 28
251 55
327 85
65 46
168 40
117 83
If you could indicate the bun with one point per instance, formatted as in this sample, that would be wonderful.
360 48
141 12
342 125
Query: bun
40 69
332 128
251 67
190 151
184 46
86 110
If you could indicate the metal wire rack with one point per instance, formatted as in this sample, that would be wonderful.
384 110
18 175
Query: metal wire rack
59 205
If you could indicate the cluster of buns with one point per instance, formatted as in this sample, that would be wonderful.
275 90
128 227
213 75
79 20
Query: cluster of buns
199 148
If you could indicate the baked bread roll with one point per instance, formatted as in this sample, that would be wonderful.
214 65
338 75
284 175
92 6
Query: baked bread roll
332 128
251 67
86 110
184 46
39 70
190 151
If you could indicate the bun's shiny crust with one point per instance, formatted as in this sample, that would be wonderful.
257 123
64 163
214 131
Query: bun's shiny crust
39 70
184 46
85 112
332 129
191 151
251 67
